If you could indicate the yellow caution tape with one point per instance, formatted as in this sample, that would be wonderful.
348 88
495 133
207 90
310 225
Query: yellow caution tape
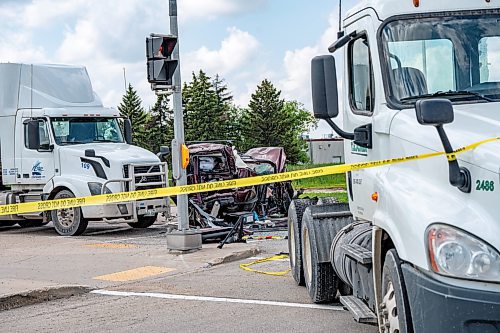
246 268
42 206
259 238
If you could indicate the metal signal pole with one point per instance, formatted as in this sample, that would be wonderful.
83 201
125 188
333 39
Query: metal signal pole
185 239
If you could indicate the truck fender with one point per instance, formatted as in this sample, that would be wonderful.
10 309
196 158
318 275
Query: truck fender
57 183
377 265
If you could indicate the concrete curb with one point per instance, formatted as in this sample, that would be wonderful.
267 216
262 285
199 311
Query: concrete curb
29 297
235 256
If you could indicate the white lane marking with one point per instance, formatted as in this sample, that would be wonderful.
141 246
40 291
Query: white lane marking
216 299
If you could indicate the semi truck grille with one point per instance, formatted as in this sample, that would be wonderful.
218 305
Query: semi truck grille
145 176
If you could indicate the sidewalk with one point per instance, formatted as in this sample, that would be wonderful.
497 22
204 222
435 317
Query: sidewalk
37 260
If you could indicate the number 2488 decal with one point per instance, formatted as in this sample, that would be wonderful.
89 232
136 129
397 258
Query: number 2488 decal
485 185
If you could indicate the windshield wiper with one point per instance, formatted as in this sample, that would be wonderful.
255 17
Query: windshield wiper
105 140
450 94
72 142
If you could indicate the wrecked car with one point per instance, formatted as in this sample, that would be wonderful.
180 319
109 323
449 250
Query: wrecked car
222 210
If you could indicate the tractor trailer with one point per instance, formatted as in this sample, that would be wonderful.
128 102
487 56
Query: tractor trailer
58 141
416 249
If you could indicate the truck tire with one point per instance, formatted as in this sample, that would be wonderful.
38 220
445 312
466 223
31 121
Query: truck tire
68 221
320 225
295 213
327 201
319 277
144 221
395 307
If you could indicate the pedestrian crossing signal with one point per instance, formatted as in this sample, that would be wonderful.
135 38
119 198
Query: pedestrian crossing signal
160 65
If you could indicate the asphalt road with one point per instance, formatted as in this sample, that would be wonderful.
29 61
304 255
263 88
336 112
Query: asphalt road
222 298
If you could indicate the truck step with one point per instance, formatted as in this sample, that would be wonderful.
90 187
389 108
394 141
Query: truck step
359 310
358 253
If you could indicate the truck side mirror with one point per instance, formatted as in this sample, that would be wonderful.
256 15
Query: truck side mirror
164 152
435 111
127 128
324 87
33 134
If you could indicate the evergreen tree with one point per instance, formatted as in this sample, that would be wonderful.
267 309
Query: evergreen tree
299 121
270 121
161 124
131 108
227 114
204 109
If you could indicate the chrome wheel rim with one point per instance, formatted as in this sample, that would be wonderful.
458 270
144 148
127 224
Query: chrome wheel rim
390 319
66 217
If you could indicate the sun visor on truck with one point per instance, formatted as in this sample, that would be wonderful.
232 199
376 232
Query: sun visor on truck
53 86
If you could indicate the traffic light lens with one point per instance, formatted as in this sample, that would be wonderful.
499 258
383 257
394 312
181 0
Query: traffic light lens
171 45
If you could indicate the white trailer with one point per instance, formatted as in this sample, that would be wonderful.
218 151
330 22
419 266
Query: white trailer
417 247
58 141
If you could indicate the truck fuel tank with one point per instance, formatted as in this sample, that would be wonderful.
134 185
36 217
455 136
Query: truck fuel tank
350 256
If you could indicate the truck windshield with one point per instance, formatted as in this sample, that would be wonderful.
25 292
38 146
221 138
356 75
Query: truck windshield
453 56
79 130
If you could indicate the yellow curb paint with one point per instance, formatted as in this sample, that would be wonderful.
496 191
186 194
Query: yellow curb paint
135 274
112 246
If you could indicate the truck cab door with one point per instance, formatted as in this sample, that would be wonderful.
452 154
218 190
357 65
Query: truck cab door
359 107
37 165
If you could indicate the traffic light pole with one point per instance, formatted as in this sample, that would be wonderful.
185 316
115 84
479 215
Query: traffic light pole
184 239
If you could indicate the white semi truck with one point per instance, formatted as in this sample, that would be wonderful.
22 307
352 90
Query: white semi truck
416 249
58 141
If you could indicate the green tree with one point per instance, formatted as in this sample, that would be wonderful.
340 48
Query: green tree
207 107
131 108
270 121
300 121
161 124
228 114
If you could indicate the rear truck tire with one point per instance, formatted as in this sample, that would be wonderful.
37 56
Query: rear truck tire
317 235
327 201
395 309
295 213
144 221
319 278
68 221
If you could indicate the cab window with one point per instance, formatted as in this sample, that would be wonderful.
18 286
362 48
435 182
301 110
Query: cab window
43 134
361 87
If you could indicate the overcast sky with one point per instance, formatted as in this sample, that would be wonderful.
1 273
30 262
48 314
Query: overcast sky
245 41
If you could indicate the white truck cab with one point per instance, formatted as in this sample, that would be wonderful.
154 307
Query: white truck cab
419 243
58 141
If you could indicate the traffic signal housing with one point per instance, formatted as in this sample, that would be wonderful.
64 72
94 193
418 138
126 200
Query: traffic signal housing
160 65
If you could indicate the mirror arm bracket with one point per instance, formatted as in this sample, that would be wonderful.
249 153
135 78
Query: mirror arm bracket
339 131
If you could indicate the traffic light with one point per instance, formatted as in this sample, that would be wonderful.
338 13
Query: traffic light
161 66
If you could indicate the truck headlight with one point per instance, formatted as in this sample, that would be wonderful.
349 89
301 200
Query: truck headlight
455 253
95 188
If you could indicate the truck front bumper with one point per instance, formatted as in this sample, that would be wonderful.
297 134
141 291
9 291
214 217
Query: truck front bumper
439 307
126 211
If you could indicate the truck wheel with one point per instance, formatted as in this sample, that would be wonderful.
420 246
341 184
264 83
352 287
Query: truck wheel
320 279
327 201
295 213
395 307
68 221
144 221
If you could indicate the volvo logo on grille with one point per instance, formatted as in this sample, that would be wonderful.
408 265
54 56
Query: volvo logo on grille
144 179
